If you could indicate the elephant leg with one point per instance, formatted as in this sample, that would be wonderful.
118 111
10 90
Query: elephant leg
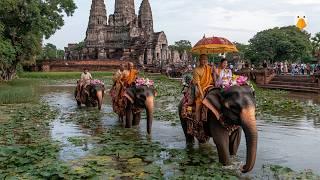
189 138
136 119
221 138
234 141
129 115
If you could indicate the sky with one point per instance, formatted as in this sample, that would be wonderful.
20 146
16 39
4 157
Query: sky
236 20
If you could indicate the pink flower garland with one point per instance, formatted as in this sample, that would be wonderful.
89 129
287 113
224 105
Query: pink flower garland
96 82
144 82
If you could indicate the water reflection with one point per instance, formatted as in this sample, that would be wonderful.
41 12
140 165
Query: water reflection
288 140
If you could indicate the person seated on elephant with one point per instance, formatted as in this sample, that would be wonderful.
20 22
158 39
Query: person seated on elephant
118 75
130 75
85 76
84 79
117 90
223 74
202 79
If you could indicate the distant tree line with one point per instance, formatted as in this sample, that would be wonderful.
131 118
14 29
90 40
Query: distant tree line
281 44
50 52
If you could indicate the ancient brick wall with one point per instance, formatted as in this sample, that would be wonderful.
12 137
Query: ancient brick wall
79 65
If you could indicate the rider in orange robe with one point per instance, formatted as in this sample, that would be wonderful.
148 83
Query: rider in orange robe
202 79
130 75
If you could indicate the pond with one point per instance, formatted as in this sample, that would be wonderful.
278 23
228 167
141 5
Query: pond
290 140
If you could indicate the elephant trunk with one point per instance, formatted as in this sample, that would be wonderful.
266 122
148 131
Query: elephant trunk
99 98
149 108
250 130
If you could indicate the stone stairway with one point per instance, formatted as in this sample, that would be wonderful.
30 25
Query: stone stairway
293 83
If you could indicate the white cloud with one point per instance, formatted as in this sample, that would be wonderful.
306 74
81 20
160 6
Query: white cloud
301 2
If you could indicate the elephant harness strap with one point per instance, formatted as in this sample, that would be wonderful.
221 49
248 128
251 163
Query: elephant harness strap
222 119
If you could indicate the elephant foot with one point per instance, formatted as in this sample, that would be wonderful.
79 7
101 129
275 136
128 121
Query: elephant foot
128 126
78 103
189 145
190 142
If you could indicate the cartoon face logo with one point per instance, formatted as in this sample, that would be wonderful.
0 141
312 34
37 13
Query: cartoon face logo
301 22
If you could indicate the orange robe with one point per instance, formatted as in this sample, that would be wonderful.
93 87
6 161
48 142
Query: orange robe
203 76
130 76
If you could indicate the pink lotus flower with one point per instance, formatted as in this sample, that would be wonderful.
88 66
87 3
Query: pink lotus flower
241 80
96 82
144 82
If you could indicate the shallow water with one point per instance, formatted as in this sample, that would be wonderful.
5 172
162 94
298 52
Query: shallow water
290 141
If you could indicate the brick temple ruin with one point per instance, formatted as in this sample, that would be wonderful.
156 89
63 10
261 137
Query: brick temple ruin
124 36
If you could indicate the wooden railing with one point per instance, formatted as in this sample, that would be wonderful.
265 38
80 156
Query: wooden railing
259 76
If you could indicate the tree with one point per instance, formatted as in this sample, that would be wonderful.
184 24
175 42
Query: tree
181 46
80 46
242 54
50 51
316 45
24 24
279 44
7 52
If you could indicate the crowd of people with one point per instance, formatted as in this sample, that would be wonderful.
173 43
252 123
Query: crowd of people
295 68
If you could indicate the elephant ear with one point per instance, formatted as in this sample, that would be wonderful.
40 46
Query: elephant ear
218 102
130 95
213 100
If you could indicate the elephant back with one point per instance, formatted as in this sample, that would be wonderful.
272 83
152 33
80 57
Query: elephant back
97 85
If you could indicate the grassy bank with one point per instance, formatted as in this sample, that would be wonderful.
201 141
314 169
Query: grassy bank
25 88
19 91
60 75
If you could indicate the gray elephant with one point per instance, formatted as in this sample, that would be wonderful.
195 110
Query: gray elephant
139 98
91 94
237 104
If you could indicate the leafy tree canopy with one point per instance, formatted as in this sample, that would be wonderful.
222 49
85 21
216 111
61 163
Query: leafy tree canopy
50 52
24 23
279 44
181 46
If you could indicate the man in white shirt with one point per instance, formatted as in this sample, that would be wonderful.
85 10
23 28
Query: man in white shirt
85 76
85 79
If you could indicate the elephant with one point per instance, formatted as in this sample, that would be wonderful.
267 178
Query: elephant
91 95
139 98
237 104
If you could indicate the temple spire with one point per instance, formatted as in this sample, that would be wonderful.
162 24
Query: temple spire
98 13
145 16
125 10
124 7
97 22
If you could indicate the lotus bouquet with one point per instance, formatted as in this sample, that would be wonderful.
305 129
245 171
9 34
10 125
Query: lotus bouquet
236 81
241 80
144 82
96 82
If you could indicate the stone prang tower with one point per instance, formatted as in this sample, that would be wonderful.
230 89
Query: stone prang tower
123 36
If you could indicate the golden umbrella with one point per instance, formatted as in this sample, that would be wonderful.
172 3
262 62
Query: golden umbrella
214 45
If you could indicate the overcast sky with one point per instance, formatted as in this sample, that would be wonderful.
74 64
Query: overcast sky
237 20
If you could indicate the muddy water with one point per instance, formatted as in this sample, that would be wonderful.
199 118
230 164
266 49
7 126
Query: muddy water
290 141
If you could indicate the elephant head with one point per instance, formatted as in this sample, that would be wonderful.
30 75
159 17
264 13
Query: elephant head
238 107
97 92
142 97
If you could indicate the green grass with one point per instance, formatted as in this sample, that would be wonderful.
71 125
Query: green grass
18 91
60 75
